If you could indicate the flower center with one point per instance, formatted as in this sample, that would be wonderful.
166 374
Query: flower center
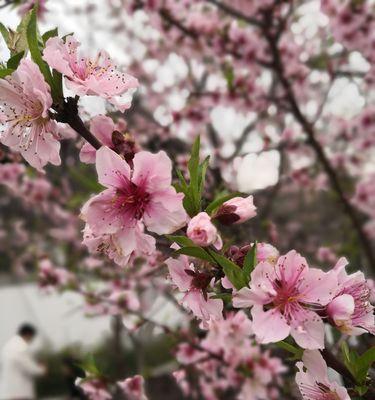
133 199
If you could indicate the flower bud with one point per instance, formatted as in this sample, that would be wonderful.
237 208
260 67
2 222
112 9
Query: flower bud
236 210
202 231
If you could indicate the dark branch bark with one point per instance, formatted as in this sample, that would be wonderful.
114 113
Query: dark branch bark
278 68
68 114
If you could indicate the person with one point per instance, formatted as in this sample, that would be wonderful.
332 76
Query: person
18 368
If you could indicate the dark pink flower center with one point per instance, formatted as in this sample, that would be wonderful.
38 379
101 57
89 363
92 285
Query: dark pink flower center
133 199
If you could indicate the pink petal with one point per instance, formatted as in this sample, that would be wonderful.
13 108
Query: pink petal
165 213
113 171
341 308
308 330
318 286
177 272
152 171
269 326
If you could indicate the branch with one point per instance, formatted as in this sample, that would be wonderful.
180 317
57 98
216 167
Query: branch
235 13
68 114
278 68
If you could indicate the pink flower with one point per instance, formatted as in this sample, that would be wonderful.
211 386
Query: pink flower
312 379
142 194
29 4
351 311
50 276
10 173
188 354
109 134
102 128
95 389
236 210
194 284
89 77
291 293
203 232
133 388
120 246
267 252
25 124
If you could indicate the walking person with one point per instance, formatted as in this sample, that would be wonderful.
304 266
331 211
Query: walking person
18 367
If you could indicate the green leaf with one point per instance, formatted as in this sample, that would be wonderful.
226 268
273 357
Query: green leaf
227 297
363 364
14 61
229 75
89 365
215 204
297 352
231 270
5 72
5 33
202 170
361 390
250 261
196 252
36 55
49 34
182 241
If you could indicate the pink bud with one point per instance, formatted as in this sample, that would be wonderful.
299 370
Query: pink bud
236 210
201 230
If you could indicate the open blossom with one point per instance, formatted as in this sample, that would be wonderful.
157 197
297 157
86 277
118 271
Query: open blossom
143 194
89 77
194 284
351 310
312 379
133 388
203 232
50 276
236 210
121 246
284 298
25 125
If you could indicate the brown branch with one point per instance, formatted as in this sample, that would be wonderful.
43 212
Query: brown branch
235 13
68 114
278 68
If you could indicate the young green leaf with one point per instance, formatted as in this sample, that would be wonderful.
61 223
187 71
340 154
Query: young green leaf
5 72
182 241
15 60
231 270
36 55
250 261
363 364
196 252
296 351
49 34
5 33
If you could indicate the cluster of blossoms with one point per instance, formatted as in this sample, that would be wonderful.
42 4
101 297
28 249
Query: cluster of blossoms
227 359
99 389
